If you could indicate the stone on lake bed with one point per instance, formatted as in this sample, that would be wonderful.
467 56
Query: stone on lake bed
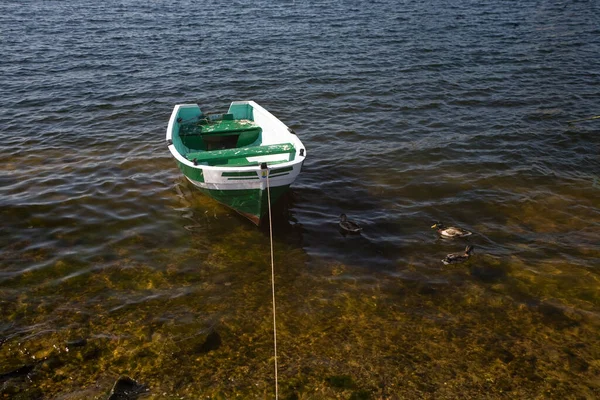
21 371
126 388
212 342
80 342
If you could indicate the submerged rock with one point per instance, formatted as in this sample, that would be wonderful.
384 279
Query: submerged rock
576 363
340 381
16 384
554 315
488 274
80 342
21 371
126 388
212 342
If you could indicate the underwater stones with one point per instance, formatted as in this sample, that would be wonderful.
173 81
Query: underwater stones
212 342
84 349
427 289
488 274
90 353
16 384
340 381
19 372
360 395
345 382
80 342
576 363
54 362
505 356
20 391
555 316
126 388
457 333
525 367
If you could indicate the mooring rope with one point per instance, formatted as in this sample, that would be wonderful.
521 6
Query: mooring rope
264 167
584 119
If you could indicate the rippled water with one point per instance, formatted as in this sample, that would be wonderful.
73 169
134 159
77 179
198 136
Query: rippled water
411 112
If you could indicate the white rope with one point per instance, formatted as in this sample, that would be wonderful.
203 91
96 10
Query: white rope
273 286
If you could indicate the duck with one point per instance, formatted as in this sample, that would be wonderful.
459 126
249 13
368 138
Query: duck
456 258
450 231
349 226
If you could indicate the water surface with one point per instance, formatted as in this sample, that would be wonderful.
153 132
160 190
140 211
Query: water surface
111 264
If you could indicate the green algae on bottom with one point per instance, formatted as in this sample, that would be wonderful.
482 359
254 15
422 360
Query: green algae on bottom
190 317
338 338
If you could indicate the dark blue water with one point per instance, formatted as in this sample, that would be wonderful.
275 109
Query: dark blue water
411 112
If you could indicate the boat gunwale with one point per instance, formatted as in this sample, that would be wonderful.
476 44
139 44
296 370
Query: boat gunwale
180 158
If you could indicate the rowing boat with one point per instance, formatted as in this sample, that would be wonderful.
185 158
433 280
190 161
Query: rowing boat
229 156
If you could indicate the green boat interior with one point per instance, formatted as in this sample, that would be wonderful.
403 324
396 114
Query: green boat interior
238 156
218 134
223 139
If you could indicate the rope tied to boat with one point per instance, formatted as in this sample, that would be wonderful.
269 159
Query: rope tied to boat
265 174
584 119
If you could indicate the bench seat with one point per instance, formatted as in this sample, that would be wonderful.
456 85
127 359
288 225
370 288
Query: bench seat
222 156
221 127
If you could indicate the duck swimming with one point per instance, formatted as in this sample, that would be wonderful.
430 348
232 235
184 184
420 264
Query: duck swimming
349 226
451 231
456 258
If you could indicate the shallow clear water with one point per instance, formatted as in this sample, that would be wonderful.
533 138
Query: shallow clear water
411 112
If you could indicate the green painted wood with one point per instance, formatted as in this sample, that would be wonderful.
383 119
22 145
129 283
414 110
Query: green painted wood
193 142
243 152
280 170
238 174
247 138
249 201
191 172
242 111
219 134
219 127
